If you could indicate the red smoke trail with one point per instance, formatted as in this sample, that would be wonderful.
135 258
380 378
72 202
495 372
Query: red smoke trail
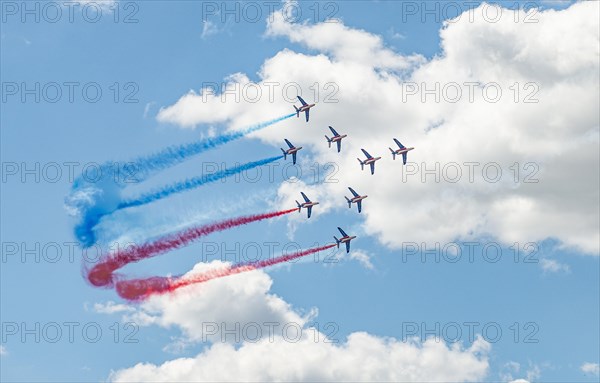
102 273
139 289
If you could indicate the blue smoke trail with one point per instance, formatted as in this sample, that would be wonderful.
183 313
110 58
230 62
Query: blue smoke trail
106 204
141 168
91 200
191 183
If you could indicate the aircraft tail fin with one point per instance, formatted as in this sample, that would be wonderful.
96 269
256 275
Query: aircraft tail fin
297 111
349 202
362 164
393 153
337 241
284 154
299 206
328 140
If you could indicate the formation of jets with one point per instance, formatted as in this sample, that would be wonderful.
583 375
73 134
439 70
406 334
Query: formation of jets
337 139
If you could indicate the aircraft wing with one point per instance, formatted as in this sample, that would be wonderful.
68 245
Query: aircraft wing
339 145
333 131
302 101
372 167
359 204
348 247
367 153
404 157
307 111
399 144
353 192
288 143
305 197
309 209
343 232
294 158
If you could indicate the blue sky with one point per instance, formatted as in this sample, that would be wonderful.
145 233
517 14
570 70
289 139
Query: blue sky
163 56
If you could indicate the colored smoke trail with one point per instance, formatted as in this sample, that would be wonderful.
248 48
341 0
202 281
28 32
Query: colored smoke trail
84 230
102 273
92 199
195 182
142 167
138 289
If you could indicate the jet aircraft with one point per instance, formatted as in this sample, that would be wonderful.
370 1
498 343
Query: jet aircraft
369 161
304 108
307 204
337 138
344 239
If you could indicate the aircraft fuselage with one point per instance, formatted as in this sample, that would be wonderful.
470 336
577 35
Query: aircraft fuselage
338 138
293 150
371 160
405 150
359 198
304 108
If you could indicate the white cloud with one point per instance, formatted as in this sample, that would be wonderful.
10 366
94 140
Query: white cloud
147 108
553 266
3 351
111 307
591 368
559 134
209 29
342 43
205 311
280 354
362 357
534 373
363 257
103 4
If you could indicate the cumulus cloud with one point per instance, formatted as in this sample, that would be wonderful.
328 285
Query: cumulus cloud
341 43
287 350
553 141
553 266
363 257
205 312
591 368
362 357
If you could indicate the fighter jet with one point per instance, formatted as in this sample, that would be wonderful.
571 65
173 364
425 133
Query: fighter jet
304 108
402 150
292 150
307 204
357 199
336 138
369 161
345 239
